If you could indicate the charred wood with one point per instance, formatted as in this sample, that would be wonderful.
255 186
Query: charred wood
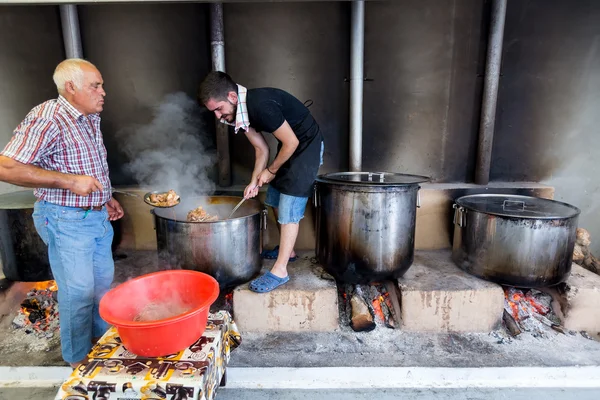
511 324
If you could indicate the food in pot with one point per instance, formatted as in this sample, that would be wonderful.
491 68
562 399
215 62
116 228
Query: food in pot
167 199
200 215
162 310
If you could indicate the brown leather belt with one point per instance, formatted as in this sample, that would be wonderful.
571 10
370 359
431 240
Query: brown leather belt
92 208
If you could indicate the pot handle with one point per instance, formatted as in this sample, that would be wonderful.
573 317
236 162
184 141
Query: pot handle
513 205
376 174
315 195
418 199
460 216
264 213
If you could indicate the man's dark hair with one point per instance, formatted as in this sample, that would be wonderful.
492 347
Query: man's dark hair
216 86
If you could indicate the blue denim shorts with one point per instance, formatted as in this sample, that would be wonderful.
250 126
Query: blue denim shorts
290 208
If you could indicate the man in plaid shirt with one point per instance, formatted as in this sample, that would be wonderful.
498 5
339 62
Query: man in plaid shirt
58 150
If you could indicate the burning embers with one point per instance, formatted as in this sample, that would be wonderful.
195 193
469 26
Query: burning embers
39 311
529 311
364 307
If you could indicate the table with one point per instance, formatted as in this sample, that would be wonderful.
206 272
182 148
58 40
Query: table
195 373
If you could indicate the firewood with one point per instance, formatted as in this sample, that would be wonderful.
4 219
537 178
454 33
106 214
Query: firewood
592 264
583 237
394 299
362 320
511 324
578 254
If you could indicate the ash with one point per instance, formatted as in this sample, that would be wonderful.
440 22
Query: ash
31 342
38 315
531 311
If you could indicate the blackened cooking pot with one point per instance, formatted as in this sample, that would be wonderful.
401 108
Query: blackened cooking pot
366 224
228 249
514 240
23 254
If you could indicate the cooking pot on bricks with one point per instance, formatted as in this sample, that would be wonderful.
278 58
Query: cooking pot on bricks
227 249
365 224
23 254
514 240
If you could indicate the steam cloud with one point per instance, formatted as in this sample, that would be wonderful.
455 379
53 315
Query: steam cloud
170 152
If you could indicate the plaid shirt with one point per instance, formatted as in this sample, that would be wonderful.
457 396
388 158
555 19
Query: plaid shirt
241 116
56 137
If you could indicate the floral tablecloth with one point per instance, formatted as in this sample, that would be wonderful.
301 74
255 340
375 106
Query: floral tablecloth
112 372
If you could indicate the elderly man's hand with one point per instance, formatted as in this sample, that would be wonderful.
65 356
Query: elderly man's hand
83 185
115 211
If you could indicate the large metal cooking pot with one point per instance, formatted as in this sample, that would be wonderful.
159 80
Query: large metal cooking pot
228 249
515 240
23 254
366 224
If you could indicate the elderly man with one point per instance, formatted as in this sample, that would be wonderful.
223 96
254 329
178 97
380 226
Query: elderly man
58 150
293 171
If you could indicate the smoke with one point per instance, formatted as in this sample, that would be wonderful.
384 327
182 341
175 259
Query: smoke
170 152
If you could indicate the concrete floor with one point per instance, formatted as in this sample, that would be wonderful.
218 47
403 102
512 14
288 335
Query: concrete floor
391 348
364 394
381 347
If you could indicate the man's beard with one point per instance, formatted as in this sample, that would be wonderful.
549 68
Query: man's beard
233 111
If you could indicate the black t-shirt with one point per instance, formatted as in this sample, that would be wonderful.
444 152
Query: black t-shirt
267 109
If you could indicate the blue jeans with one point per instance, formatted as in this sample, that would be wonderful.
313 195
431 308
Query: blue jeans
79 248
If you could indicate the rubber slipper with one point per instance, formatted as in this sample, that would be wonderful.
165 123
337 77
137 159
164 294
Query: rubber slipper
273 254
267 282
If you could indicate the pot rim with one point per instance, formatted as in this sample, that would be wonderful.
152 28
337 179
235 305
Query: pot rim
19 200
336 179
261 209
461 202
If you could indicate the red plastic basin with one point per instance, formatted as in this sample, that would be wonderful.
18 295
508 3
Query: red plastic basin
165 336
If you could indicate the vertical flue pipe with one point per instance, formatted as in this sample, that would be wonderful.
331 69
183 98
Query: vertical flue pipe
490 92
357 55
217 45
70 28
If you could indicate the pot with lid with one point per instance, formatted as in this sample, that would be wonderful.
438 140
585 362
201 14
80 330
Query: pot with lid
365 224
514 240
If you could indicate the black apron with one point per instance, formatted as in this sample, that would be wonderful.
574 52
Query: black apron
297 175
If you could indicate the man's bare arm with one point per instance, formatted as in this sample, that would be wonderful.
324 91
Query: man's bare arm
261 149
289 144
27 175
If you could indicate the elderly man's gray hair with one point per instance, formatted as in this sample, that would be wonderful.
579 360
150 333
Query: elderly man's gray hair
69 71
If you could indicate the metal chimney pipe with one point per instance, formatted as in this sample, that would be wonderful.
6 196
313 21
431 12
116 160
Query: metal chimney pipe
490 92
217 38
71 34
217 44
357 56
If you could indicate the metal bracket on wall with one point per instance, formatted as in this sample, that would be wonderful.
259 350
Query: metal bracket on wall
346 79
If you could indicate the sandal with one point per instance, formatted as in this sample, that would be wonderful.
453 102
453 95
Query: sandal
267 282
273 254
